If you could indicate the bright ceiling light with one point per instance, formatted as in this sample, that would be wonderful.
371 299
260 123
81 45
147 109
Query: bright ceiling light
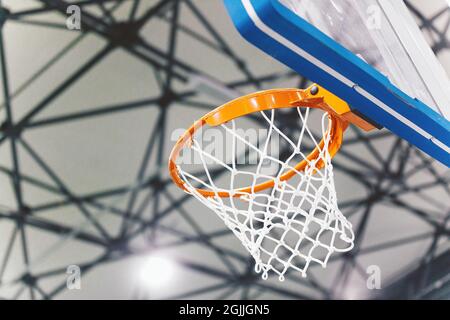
157 272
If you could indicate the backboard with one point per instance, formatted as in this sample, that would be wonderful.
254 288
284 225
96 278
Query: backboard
370 53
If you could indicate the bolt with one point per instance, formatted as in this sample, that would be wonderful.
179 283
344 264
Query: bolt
314 90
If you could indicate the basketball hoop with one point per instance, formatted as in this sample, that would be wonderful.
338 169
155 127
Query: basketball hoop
288 218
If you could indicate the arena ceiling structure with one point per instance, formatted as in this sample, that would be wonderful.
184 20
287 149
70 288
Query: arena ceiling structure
88 118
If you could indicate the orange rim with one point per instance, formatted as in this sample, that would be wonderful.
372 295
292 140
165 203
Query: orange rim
260 101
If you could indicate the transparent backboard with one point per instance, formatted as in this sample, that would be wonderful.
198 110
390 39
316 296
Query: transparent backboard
384 34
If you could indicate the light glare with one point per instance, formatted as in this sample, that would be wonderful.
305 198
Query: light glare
157 272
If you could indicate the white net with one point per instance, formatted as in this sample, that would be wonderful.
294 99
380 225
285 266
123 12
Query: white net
287 226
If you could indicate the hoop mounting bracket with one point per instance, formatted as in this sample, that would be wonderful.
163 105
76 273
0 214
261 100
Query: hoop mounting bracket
338 107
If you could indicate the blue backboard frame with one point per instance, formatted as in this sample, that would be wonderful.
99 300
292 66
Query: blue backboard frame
291 40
